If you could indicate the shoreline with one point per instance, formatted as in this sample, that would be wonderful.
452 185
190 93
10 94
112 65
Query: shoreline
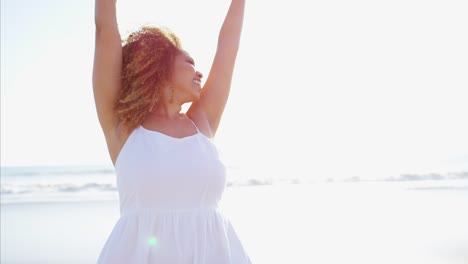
299 223
460 185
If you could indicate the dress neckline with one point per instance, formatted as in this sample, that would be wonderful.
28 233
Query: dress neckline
172 137
168 136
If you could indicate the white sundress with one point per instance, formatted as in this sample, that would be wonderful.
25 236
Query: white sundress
169 189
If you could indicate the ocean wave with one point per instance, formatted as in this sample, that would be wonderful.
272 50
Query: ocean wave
55 171
430 176
61 187
20 185
400 178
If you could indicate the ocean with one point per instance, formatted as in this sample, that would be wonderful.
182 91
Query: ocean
65 214
96 183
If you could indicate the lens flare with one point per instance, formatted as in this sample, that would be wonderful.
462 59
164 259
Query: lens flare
152 241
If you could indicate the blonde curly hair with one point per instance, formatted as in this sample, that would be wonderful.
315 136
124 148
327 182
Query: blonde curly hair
148 55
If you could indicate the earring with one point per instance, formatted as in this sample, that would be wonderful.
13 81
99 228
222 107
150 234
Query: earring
171 98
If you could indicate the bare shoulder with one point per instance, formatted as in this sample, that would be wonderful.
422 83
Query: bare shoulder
201 121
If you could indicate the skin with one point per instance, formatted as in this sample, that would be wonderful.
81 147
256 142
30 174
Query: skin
208 102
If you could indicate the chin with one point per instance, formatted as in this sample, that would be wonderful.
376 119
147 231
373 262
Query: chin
194 97
197 94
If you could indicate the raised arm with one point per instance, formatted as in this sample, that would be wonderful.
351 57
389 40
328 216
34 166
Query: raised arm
215 92
107 63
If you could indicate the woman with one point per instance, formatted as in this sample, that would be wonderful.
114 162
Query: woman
169 175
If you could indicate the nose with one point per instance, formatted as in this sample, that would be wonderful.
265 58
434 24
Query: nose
199 75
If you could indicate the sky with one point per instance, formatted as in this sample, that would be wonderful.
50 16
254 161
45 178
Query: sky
320 88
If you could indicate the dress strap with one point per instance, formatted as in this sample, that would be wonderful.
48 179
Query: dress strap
193 124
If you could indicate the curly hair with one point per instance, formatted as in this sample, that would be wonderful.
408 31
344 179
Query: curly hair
148 55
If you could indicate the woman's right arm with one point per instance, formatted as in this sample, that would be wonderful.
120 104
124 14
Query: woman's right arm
107 64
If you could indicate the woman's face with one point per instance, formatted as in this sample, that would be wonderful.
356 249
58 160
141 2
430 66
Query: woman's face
186 80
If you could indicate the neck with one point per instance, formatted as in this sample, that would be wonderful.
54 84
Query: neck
166 111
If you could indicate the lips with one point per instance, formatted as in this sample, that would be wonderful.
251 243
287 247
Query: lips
197 81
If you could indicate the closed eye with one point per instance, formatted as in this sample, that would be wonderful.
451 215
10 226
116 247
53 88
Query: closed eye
190 60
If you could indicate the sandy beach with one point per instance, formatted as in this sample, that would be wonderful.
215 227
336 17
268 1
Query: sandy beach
291 223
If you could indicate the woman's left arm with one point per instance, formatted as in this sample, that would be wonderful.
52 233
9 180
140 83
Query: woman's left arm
215 92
